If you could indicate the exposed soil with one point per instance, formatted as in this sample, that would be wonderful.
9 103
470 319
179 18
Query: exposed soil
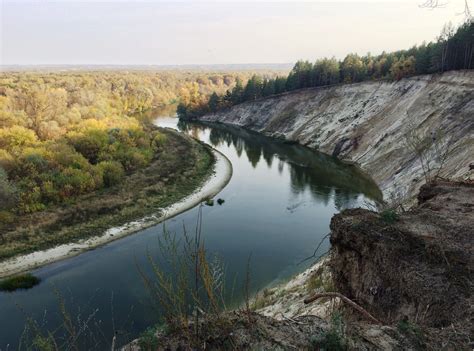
414 269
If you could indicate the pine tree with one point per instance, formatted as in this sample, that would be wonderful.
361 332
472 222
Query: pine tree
214 102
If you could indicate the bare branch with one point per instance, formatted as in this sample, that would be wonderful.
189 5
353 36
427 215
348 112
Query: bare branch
348 301
316 250
434 4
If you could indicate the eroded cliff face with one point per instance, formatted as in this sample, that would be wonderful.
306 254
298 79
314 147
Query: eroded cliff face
367 123
416 266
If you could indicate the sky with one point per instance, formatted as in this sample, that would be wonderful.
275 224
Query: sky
211 32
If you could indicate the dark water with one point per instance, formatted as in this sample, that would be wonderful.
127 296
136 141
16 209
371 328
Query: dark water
278 205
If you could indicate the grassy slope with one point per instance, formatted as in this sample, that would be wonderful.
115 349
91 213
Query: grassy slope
177 171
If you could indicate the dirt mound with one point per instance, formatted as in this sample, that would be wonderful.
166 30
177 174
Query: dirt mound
413 268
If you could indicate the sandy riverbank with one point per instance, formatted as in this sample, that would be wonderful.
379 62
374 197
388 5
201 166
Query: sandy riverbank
216 182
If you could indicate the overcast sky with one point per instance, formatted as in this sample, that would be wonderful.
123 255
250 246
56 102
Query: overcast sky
203 32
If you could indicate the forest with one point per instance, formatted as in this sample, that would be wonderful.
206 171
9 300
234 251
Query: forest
65 134
453 50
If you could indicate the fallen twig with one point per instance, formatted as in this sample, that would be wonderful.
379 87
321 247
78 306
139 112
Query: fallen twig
346 300
315 251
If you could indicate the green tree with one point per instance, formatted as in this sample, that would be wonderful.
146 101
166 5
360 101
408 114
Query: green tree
8 192
237 92
214 102
353 69
268 87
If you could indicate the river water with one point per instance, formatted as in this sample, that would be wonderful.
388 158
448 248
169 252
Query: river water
277 207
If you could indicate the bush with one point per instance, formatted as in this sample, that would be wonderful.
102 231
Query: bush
23 281
332 339
90 144
29 197
159 140
132 160
73 181
148 340
16 137
389 216
405 326
8 193
113 172
6 217
7 162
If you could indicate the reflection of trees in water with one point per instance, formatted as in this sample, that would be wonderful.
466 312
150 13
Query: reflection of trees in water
239 146
281 166
253 153
323 176
267 156
343 200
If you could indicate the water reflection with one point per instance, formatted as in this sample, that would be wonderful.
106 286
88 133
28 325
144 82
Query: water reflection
277 208
324 176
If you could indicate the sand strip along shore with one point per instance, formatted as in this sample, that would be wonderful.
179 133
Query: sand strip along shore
222 174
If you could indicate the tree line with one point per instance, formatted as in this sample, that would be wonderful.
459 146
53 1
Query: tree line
65 134
452 50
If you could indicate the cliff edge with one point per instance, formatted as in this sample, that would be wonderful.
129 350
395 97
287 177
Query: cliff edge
412 272
368 123
414 268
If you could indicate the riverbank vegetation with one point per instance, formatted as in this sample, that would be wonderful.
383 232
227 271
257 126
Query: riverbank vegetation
176 168
77 154
452 50
22 281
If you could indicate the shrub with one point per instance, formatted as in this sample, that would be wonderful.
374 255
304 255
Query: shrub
65 155
29 197
332 339
7 162
405 326
132 159
23 281
148 340
389 216
16 137
8 193
75 182
159 140
90 144
49 192
113 172
6 217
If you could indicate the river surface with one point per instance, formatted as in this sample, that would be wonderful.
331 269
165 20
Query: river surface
277 207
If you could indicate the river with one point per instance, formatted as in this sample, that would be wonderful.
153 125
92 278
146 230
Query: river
277 207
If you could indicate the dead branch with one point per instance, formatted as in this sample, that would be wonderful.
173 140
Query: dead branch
347 301
316 250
